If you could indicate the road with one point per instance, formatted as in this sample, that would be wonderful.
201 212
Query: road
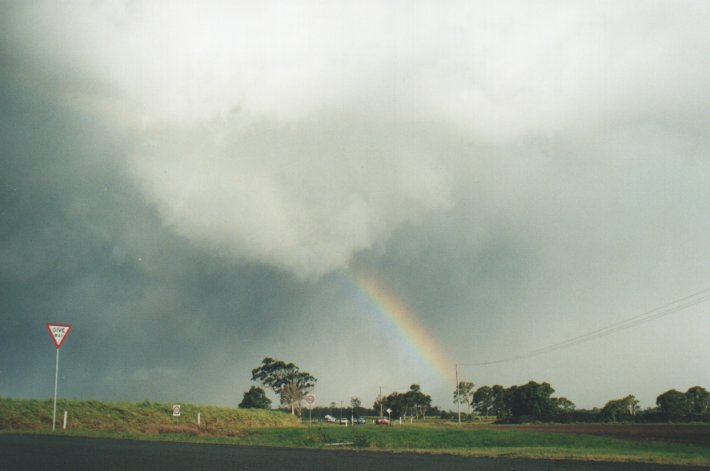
59 453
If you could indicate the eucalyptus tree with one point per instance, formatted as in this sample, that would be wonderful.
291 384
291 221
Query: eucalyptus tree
286 380
464 394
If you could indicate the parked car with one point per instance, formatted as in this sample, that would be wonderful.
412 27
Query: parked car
382 421
344 421
330 419
359 421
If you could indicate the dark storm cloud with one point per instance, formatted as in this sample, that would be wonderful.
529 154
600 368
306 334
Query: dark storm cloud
79 245
186 186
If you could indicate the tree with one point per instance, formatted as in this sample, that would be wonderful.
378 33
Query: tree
564 404
698 401
533 400
355 404
501 407
292 395
464 394
483 400
286 380
414 402
255 398
673 404
619 409
418 401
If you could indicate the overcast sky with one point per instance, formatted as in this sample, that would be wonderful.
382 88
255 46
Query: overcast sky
190 183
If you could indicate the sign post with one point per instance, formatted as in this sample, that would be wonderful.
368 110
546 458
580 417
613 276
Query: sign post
58 332
310 400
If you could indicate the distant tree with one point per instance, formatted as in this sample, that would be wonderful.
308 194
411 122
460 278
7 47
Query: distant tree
286 380
356 404
393 402
673 404
698 401
418 401
413 403
501 407
483 400
619 409
463 394
532 400
255 398
564 404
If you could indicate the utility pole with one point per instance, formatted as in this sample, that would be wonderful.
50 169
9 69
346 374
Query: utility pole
380 400
458 391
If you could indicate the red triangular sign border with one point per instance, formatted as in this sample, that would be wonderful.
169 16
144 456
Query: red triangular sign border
58 343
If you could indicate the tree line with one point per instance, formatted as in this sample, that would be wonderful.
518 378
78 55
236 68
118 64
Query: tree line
292 385
535 402
519 403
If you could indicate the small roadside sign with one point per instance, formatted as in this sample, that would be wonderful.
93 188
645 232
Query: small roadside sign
58 332
310 399
176 410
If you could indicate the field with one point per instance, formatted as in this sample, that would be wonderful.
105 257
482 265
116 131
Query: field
653 443
689 434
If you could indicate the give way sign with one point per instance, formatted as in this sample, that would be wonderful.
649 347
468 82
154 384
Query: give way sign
58 332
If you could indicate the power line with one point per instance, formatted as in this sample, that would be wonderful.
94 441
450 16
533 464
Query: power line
648 316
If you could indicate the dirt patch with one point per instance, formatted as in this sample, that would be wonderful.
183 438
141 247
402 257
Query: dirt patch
690 434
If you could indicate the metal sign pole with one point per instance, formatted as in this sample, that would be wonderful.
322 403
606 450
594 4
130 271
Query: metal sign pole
56 380
59 333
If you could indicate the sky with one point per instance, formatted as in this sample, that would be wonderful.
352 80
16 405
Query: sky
374 191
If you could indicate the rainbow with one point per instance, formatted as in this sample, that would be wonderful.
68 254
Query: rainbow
396 317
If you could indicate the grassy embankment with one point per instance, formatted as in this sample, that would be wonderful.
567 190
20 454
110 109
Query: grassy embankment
153 421
136 419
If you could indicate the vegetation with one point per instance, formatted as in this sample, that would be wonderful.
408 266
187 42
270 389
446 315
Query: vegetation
533 402
509 441
154 421
356 407
463 394
141 418
255 398
619 409
259 427
414 403
286 380
693 404
528 402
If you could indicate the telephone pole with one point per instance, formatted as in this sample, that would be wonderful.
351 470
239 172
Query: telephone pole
380 400
458 397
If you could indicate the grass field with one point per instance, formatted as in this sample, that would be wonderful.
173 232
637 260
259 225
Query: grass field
151 421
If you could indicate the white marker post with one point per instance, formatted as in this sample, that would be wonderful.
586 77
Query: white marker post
59 333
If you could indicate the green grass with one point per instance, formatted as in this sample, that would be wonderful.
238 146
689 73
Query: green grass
153 421
139 418
475 441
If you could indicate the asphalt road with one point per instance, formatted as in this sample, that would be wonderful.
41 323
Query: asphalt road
58 453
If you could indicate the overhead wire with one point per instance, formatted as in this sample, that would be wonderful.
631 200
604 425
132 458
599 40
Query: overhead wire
656 313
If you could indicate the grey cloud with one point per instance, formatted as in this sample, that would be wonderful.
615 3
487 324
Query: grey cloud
516 177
